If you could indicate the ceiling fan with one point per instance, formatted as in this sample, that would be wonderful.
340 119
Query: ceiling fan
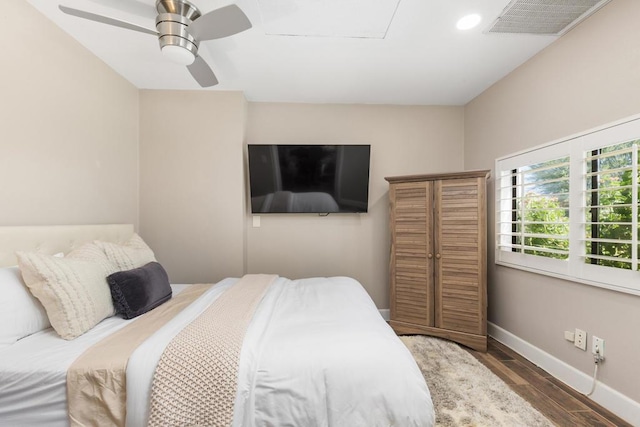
180 29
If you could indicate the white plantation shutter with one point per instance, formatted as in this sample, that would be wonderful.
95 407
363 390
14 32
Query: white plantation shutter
571 209
609 197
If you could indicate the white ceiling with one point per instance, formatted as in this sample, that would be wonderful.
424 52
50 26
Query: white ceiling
421 60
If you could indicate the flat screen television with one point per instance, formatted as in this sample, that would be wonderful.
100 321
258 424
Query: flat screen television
309 178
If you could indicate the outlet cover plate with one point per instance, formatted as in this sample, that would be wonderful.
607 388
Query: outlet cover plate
599 344
581 339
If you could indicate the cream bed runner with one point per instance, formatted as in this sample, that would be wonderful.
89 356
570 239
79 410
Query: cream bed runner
195 382
96 387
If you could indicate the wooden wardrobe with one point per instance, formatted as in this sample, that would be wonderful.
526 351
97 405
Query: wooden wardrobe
439 256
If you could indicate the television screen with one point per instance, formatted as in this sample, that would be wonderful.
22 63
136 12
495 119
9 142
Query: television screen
309 178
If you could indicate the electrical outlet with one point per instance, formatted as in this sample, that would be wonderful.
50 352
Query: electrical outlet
581 339
597 347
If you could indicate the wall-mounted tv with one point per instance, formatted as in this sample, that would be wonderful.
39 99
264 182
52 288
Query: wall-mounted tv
309 178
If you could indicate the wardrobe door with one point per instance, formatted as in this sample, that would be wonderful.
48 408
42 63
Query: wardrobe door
460 255
411 253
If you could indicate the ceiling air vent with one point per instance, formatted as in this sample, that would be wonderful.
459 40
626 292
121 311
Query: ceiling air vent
549 17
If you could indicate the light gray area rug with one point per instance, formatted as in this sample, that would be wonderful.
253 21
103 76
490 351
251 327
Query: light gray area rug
464 391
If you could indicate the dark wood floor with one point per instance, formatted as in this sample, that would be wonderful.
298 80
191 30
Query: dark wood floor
557 401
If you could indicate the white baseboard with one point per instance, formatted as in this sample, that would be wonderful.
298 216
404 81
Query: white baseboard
385 313
614 401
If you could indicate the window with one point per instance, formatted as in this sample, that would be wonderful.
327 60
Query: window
570 208
540 209
609 206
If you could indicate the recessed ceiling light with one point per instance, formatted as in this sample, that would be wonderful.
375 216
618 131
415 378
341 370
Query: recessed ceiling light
469 21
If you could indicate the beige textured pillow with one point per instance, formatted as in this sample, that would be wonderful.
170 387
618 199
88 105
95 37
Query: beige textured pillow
90 252
133 254
73 290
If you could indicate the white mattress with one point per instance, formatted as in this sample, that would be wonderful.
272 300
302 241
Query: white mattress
33 373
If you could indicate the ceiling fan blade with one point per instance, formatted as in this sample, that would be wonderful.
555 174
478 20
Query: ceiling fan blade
202 73
106 20
219 23
135 7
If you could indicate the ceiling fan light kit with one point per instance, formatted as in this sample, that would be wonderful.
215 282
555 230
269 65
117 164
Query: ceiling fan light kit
177 53
180 28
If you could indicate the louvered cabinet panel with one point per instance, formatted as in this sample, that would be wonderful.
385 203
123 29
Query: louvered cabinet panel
438 256
459 241
411 231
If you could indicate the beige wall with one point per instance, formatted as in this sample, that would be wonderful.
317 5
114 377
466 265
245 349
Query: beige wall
193 196
404 140
68 129
589 77
192 182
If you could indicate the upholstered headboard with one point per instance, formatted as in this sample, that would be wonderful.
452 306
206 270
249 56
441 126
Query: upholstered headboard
50 239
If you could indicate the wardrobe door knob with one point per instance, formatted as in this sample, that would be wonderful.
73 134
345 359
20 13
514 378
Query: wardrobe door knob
437 256
430 256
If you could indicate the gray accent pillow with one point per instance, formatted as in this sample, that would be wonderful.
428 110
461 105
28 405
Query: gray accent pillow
139 290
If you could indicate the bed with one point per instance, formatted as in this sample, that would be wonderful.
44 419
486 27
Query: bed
315 352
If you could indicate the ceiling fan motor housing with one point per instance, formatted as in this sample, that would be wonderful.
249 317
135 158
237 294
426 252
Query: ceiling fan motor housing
174 17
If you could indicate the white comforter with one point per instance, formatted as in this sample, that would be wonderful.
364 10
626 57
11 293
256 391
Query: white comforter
33 373
317 353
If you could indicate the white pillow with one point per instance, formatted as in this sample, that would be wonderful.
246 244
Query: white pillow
133 254
73 290
20 313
